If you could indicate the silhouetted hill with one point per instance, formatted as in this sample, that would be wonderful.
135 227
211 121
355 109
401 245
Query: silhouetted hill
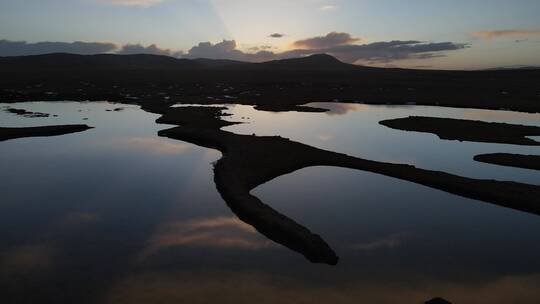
279 83
145 61
218 63
101 61
321 62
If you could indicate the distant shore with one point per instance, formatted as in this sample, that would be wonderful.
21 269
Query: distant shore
275 86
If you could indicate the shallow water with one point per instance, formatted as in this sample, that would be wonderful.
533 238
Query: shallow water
354 129
117 214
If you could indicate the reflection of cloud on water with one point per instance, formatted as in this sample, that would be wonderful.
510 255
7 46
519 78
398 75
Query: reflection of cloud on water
151 144
389 242
26 259
239 287
325 137
504 116
337 108
222 232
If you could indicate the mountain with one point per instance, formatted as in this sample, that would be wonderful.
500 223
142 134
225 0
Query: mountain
157 62
101 61
314 62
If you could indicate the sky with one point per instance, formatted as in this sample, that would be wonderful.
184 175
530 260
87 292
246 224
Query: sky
439 34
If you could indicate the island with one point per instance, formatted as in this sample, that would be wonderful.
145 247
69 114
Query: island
13 133
467 130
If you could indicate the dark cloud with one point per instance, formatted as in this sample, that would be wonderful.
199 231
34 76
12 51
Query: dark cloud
227 50
330 40
376 52
384 51
260 48
339 45
276 35
153 49
22 48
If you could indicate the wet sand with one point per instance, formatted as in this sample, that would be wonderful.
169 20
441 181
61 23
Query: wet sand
249 161
467 130
512 160
13 133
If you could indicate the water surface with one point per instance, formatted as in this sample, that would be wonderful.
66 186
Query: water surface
117 214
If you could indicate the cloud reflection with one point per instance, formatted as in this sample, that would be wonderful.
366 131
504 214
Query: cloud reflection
150 144
389 242
240 287
337 108
221 232
503 116
26 258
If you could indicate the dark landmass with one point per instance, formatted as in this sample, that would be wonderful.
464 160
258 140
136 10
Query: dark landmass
512 160
278 85
249 161
13 133
467 130
25 113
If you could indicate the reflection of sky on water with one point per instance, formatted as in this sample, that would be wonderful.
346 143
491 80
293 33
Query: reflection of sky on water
117 214
353 129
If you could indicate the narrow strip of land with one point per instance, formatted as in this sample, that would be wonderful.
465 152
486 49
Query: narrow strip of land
512 160
13 133
249 161
467 130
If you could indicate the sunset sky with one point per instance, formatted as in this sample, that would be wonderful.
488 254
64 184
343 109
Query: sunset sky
417 33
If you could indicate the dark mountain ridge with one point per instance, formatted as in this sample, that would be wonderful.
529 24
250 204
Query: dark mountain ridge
276 84
145 61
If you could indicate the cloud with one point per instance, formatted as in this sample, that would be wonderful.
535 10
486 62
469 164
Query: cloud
387 51
143 3
276 35
260 48
341 45
23 48
227 50
153 49
328 7
506 33
330 40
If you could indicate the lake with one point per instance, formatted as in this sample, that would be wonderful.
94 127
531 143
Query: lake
117 214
